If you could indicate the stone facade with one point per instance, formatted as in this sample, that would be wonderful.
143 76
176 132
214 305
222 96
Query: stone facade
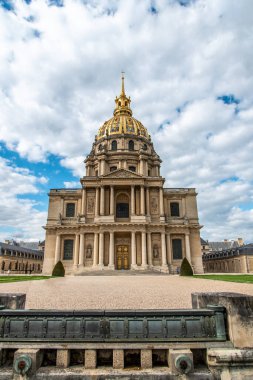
233 260
16 259
122 217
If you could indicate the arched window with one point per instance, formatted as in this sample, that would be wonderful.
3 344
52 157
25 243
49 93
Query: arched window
114 145
122 206
174 209
132 168
131 145
122 210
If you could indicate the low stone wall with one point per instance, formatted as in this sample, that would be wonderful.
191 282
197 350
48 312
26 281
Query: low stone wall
204 360
236 363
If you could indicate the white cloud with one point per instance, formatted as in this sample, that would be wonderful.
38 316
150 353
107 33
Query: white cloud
71 184
56 90
18 215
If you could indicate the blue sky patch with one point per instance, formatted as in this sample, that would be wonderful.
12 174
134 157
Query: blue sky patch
229 179
52 170
229 99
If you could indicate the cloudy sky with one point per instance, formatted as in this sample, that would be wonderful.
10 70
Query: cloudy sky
189 72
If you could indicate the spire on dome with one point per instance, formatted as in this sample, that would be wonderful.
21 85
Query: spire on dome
122 84
123 102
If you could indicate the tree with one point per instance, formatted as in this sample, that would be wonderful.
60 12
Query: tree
58 270
186 269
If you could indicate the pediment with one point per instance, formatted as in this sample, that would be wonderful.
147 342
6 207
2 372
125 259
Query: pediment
122 173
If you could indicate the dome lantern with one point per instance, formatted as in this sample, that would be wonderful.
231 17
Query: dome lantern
122 102
122 122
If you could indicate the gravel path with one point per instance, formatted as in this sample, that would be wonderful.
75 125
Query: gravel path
118 292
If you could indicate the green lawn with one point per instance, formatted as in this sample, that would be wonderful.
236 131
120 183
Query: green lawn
247 278
22 278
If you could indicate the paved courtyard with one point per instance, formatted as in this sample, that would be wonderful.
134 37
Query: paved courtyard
118 292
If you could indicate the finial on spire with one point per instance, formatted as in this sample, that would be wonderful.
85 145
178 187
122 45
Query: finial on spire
122 83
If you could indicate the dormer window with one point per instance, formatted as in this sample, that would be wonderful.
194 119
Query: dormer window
131 145
114 145
132 168
70 210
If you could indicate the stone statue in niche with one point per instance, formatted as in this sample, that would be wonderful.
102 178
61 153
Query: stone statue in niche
154 205
155 251
59 221
90 208
89 252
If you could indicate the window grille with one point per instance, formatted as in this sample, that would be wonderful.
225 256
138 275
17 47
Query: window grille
70 210
177 249
68 249
174 209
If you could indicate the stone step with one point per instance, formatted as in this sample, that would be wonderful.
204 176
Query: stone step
122 272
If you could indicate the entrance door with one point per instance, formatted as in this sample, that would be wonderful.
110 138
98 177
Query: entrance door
122 257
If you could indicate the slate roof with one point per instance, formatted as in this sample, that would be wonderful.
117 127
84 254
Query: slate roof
222 245
203 242
17 248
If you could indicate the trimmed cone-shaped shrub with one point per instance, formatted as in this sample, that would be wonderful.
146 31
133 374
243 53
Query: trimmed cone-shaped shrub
186 269
58 270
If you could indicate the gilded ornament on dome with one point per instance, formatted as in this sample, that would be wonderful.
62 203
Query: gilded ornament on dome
115 125
130 125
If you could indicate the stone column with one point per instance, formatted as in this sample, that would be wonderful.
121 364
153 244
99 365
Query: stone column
102 200
97 203
62 206
187 247
163 244
143 250
95 249
147 201
132 200
112 200
149 249
102 167
146 359
133 251
141 166
169 255
90 361
81 250
183 208
118 359
57 255
142 201
76 250
161 202
111 251
62 358
83 211
101 250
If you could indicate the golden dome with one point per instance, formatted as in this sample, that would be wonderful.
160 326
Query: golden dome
122 122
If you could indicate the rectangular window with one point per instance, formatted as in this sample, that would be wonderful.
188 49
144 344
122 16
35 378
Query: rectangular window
174 209
68 249
177 249
70 210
